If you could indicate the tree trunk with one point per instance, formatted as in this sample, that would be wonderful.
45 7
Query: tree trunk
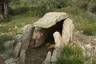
5 5
1 11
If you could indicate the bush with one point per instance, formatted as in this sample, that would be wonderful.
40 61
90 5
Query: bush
71 55
94 60
83 12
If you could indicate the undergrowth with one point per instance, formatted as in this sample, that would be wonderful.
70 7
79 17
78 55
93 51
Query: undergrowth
71 55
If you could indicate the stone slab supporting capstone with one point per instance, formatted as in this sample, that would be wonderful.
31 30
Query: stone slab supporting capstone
27 36
17 49
48 58
57 39
22 57
26 39
67 31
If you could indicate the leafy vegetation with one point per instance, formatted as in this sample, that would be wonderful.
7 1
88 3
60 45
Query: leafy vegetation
71 55
83 13
94 60
22 12
15 26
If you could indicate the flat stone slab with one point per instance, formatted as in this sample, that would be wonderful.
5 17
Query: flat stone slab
50 19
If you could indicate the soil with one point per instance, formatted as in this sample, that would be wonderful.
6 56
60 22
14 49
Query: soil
1 60
38 55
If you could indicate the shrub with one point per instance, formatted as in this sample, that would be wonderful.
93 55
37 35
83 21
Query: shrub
94 60
71 55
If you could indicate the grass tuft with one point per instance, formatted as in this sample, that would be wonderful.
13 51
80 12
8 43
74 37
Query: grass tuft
71 55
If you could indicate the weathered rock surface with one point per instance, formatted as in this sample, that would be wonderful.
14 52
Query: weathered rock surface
9 44
48 58
50 19
67 31
22 57
87 43
18 38
58 40
39 36
17 49
11 61
55 55
27 36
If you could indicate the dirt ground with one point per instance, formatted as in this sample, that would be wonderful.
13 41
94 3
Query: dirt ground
38 55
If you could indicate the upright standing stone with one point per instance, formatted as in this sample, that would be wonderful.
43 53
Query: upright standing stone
57 39
26 39
9 44
67 31
22 57
17 49
55 55
48 58
27 36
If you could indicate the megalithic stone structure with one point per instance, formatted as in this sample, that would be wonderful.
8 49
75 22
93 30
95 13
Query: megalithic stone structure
58 25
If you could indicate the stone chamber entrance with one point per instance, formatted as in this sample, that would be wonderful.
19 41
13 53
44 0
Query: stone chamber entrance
38 55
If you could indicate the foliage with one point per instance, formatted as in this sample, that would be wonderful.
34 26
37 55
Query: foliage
83 20
15 26
94 60
83 12
71 55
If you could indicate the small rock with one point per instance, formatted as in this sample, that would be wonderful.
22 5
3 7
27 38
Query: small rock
18 37
94 39
88 47
11 61
48 58
88 50
9 44
17 49
22 57
55 55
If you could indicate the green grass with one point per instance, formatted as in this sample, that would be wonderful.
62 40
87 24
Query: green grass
15 26
94 60
24 12
83 20
71 55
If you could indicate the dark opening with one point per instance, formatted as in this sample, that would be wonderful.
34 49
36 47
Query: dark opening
93 10
35 55
58 27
